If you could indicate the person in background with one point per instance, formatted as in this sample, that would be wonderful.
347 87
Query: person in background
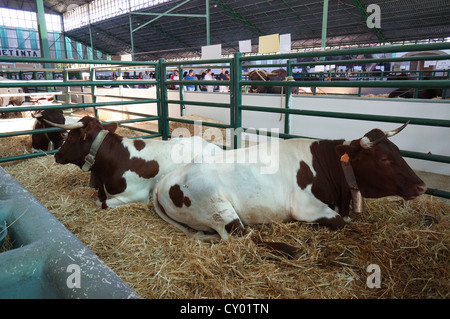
146 77
140 77
223 76
208 77
175 76
190 76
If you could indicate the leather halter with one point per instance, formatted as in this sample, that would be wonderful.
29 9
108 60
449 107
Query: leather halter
89 160
357 199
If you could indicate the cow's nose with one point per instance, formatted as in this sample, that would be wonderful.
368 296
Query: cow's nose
421 188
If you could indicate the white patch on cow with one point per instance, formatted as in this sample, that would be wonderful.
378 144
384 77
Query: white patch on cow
147 153
308 208
137 190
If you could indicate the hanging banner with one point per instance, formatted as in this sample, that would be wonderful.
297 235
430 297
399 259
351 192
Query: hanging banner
269 43
245 46
285 43
212 52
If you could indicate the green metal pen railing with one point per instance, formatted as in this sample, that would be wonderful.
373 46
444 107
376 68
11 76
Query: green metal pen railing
237 86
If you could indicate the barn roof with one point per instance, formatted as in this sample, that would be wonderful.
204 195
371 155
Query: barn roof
235 20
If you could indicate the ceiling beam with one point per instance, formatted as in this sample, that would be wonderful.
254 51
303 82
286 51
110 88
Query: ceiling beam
233 13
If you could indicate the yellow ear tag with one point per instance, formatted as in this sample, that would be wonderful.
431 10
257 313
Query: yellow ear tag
345 158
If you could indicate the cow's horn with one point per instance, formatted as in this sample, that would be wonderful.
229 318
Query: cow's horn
66 126
366 143
396 131
36 115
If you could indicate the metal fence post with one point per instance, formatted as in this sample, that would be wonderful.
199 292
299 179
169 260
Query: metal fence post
287 119
164 129
236 96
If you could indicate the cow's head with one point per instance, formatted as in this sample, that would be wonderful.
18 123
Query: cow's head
43 120
379 168
79 140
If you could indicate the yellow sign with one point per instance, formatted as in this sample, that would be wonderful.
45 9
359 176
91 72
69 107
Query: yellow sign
269 43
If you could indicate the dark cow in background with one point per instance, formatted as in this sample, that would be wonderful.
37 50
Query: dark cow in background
125 170
218 198
408 93
262 75
422 93
49 140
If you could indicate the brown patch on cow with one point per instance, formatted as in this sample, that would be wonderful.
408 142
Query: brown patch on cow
143 168
235 228
334 223
329 184
139 144
177 196
305 176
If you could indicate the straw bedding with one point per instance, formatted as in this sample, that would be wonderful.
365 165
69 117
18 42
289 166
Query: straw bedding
408 240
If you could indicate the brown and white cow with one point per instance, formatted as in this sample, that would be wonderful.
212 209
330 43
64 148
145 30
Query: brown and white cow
220 197
125 170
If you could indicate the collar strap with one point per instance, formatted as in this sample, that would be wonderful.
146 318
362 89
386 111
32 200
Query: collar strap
89 160
351 181
348 172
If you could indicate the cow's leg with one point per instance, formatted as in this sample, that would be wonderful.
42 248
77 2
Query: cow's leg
328 218
313 210
334 223
200 235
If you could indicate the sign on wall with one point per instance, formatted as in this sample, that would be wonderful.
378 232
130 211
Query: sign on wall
20 53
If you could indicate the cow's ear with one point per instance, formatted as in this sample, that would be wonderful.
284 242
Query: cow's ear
111 127
83 133
352 150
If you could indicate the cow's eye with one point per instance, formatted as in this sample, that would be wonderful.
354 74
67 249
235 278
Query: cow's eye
385 160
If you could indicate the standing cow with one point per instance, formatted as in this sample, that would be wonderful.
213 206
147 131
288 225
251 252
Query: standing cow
41 142
124 170
222 196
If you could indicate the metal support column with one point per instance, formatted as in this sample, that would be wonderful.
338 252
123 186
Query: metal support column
208 30
324 26
131 30
43 36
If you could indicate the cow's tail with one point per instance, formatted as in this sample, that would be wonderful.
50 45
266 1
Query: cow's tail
186 230
279 248
237 228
